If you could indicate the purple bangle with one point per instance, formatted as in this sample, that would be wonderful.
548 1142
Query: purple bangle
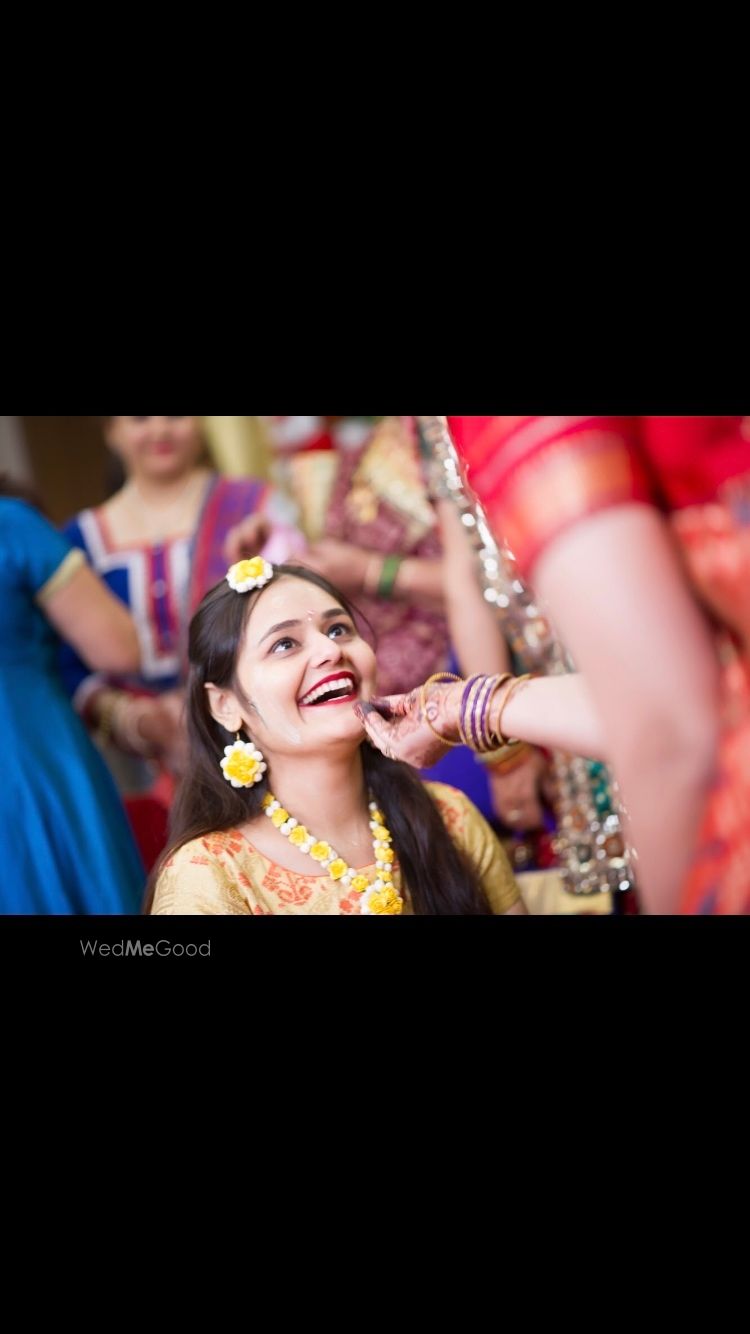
483 741
476 716
464 705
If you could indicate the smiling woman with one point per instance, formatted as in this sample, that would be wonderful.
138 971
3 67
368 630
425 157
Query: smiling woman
285 807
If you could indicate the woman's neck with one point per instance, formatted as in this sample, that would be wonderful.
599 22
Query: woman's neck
154 510
161 492
326 794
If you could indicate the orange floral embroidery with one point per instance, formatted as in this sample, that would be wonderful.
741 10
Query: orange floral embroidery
299 892
288 887
452 816
226 840
352 903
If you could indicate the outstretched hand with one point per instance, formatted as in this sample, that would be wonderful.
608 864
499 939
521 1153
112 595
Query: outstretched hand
247 538
397 725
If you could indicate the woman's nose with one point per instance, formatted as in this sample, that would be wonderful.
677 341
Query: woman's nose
327 649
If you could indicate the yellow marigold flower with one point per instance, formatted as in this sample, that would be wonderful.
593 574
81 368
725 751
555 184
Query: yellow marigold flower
319 851
337 868
377 816
386 855
360 883
266 800
298 835
386 902
385 875
394 903
279 817
249 569
248 574
241 767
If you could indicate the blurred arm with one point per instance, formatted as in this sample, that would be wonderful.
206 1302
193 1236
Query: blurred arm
624 609
93 621
475 632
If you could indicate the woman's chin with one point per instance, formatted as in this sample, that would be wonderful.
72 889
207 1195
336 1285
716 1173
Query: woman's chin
342 726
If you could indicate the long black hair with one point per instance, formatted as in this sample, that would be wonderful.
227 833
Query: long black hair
438 877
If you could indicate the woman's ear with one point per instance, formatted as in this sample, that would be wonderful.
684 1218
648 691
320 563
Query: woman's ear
224 707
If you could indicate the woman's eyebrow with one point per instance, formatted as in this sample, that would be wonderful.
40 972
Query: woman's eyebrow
289 625
282 625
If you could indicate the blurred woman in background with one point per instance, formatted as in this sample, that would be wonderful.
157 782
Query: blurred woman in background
158 543
66 844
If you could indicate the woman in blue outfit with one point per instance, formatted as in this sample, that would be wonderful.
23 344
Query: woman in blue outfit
66 845
158 544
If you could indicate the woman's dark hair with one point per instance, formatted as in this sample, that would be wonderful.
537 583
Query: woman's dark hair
439 878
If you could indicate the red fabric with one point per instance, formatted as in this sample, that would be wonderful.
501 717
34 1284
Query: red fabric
673 462
692 457
149 821
536 476
323 440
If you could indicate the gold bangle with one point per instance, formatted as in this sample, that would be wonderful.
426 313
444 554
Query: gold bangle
447 676
486 738
514 684
108 706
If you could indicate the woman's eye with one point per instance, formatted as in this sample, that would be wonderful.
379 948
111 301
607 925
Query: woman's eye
339 629
282 644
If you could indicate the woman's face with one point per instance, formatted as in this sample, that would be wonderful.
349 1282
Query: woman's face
303 665
155 448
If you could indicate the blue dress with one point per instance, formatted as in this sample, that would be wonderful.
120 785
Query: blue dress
65 843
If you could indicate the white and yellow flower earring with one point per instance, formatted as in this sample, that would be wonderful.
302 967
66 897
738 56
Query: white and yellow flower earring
243 765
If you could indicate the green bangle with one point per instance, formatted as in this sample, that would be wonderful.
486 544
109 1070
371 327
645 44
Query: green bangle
388 576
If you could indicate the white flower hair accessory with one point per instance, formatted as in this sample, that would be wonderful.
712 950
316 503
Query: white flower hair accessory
249 574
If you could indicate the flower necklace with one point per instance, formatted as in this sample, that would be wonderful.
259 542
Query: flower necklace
378 897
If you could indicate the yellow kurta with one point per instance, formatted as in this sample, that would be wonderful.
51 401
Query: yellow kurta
223 874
